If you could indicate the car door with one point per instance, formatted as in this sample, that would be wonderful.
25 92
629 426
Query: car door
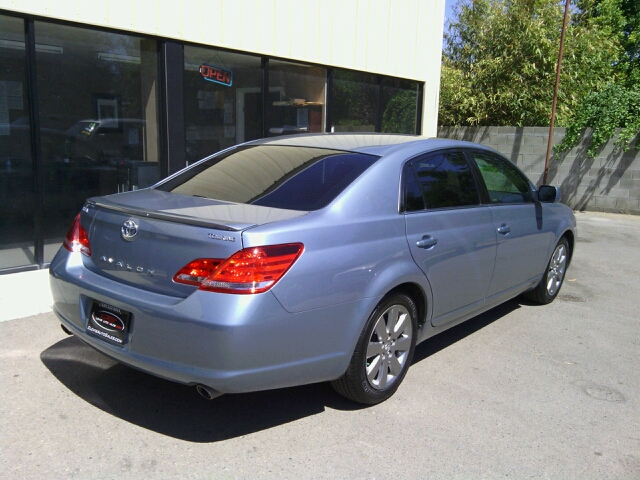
522 237
451 235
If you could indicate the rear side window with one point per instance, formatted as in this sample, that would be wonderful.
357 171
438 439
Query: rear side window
288 177
444 179
504 183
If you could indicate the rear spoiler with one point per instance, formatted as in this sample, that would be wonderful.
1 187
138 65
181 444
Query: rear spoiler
160 215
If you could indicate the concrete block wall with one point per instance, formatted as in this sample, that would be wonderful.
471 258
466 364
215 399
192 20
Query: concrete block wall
608 183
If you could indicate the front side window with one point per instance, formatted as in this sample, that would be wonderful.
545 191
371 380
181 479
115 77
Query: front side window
445 180
504 183
294 178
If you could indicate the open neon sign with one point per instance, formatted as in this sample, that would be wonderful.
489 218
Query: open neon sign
215 74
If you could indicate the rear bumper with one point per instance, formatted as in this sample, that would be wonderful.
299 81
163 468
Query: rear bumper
231 343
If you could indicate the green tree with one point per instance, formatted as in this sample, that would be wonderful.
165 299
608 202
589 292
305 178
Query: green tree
500 56
615 105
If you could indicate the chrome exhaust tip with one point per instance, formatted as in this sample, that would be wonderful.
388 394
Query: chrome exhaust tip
206 392
66 330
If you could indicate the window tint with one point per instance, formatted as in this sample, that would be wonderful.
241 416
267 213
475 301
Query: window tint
446 180
294 178
504 183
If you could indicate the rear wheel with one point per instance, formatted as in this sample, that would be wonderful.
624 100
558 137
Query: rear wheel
383 352
547 290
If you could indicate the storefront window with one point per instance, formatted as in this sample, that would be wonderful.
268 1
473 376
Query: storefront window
296 98
98 117
355 102
17 205
222 100
399 106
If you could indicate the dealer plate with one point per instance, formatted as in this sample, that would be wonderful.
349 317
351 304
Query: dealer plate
108 323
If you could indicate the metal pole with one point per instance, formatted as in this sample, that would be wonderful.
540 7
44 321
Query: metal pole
555 93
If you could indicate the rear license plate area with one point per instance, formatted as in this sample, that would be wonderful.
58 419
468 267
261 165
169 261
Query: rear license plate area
108 323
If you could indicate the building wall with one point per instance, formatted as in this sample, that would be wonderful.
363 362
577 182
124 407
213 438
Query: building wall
608 183
401 38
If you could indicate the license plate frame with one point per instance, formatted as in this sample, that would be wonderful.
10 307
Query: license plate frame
108 323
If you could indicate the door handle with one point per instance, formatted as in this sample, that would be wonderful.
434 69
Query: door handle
504 229
427 242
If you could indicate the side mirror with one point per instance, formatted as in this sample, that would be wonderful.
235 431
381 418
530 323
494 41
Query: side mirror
549 194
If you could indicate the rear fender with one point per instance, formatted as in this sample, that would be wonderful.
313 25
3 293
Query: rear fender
397 274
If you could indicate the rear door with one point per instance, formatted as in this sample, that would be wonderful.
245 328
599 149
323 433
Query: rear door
450 234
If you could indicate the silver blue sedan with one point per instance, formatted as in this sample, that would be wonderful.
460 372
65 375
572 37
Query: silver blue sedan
305 259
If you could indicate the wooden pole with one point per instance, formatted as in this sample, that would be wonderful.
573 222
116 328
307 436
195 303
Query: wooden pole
555 93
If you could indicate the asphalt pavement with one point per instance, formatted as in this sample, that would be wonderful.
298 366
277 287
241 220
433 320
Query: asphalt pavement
522 391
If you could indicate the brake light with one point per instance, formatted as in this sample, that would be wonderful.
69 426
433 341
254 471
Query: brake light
251 270
195 272
77 239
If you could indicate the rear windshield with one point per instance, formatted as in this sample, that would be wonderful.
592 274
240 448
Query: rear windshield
293 178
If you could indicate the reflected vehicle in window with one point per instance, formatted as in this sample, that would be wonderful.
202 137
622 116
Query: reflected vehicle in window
311 258
107 141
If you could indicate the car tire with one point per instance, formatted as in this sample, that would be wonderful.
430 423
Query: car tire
547 290
383 353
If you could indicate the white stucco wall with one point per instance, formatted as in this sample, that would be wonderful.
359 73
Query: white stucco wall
401 38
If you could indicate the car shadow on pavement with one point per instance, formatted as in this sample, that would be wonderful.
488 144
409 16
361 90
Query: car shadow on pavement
178 411
442 340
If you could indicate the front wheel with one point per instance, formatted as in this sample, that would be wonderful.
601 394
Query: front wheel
547 290
383 352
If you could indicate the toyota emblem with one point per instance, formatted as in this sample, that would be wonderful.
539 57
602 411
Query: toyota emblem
129 230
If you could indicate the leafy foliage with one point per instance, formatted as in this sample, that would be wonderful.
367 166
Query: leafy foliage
617 104
400 113
605 111
500 59
355 99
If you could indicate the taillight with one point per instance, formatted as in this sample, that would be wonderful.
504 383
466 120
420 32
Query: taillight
77 239
194 273
251 270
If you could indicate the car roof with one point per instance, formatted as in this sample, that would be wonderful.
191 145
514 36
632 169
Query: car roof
372 143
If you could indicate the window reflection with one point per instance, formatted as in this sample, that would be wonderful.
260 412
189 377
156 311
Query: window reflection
296 98
17 205
222 100
355 102
98 116
446 180
399 106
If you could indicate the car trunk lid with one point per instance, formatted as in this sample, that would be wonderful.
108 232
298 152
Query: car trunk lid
144 238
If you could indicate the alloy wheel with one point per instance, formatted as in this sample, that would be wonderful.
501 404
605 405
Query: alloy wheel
557 267
388 348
